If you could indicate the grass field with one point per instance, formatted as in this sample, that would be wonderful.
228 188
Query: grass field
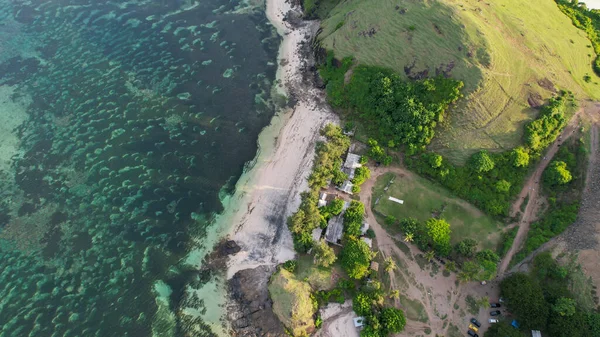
318 278
423 200
507 52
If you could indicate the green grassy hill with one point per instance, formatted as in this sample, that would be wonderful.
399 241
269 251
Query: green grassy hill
510 54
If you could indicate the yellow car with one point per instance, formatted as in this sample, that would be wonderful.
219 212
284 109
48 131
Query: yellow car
474 328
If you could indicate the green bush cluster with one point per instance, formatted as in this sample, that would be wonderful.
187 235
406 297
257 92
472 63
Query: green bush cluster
379 320
564 198
290 265
396 111
586 20
327 164
356 257
436 234
353 219
542 131
491 180
544 300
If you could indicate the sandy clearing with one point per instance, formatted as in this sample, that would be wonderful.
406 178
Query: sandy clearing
338 321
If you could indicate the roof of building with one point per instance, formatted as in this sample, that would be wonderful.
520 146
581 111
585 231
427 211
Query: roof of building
316 234
396 200
335 228
346 187
536 333
352 161
358 321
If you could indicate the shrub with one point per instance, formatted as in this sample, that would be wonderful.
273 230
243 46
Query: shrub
290 265
355 258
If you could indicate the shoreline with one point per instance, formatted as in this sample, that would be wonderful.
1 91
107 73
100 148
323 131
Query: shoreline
270 192
255 216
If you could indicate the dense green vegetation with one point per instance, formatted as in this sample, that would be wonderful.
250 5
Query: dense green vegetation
544 300
327 163
292 303
433 237
587 20
398 112
380 320
353 219
356 258
492 180
564 195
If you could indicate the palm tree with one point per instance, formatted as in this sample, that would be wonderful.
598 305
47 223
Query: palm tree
409 237
395 294
429 255
463 277
390 265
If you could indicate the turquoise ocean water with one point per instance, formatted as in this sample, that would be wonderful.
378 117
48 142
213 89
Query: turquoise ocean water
122 125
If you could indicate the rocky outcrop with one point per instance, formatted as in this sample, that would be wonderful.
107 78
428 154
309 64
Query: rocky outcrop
251 310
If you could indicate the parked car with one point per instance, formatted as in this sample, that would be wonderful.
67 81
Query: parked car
476 322
493 320
472 334
474 328
495 305
495 313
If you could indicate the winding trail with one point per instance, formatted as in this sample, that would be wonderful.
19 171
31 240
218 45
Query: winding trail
531 189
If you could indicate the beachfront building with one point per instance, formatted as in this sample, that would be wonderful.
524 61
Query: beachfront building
335 229
351 163
346 187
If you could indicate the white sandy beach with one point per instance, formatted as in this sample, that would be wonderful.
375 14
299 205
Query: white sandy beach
255 216
270 192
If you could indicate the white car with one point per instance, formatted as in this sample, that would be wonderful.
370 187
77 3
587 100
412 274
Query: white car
493 320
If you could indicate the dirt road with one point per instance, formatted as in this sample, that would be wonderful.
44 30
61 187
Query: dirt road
439 294
531 189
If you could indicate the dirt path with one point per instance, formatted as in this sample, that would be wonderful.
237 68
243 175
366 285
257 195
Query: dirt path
531 190
438 294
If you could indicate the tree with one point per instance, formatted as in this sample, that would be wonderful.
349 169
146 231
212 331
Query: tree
355 258
429 255
336 206
503 186
451 266
390 220
557 173
389 264
362 303
409 225
488 255
482 162
361 174
525 300
438 231
353 218
392 320
466 247
564 306
324 255
395 294
376 152
409 237
435 160
520 157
